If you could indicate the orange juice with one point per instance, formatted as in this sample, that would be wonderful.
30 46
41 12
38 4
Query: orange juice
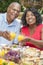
12 35
20 37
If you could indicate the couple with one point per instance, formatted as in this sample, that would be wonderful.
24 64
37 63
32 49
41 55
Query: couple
32 26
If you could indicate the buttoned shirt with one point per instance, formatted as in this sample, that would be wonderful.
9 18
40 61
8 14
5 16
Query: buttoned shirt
13 27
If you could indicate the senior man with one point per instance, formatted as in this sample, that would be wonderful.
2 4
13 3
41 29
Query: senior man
9 23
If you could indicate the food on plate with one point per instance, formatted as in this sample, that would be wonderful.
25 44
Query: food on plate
28 63
11 63
2 52
14 46
2 61
12 56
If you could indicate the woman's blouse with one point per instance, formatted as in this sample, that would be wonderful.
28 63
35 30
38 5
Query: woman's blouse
36 35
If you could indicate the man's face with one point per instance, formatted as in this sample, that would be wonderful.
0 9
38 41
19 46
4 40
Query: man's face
13 11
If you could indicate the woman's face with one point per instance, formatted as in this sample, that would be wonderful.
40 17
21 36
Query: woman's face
30 18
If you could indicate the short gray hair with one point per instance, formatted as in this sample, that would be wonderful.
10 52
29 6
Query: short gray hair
15 3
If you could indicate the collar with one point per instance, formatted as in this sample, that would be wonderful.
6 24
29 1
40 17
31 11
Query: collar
13 23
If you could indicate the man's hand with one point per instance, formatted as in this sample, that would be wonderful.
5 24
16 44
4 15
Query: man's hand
6 35
1 33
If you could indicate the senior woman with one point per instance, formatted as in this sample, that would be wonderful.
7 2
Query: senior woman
32 29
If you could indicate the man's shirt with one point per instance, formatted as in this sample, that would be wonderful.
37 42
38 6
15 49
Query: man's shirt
13 27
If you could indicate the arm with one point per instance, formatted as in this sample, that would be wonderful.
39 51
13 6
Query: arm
5 34
38 43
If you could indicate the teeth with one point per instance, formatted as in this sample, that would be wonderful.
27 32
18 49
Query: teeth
30 20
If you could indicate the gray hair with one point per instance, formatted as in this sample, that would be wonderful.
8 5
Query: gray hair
15 3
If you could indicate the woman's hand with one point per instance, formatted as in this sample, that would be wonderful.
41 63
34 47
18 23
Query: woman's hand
6 35
23 42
